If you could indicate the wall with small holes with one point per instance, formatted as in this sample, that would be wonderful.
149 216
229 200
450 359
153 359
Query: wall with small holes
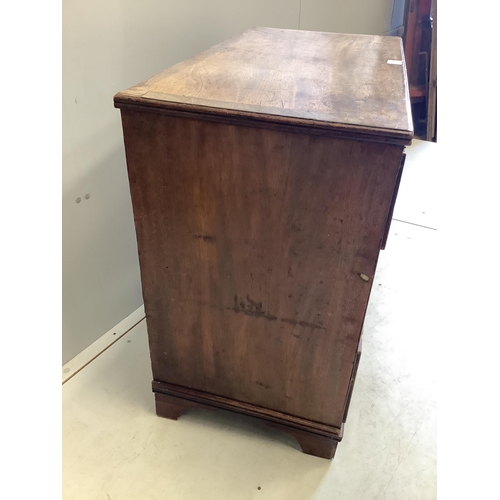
107 47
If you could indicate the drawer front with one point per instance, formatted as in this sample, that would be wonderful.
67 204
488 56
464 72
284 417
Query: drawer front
393 203
353 378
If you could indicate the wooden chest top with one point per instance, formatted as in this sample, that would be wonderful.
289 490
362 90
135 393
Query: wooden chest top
341 82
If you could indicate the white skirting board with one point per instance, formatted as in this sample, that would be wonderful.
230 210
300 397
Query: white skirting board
80 361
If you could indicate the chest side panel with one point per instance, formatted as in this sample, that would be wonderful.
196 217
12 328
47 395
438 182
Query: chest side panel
251 242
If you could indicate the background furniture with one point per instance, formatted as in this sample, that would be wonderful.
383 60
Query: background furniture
415 21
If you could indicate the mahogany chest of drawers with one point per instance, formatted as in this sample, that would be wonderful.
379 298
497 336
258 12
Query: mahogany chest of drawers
263 173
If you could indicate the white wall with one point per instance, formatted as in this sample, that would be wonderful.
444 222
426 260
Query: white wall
109 45
368 17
